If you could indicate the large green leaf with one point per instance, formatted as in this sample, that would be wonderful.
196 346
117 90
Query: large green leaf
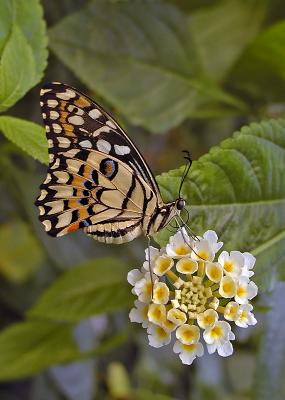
28 347
29 136
260 71
222 31
139 56
95 287
23 52
238 189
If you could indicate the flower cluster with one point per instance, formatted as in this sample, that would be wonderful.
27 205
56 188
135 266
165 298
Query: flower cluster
189 293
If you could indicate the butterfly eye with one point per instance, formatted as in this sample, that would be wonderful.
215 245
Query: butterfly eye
180 204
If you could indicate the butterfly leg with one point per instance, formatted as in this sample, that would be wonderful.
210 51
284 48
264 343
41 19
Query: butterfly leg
149 266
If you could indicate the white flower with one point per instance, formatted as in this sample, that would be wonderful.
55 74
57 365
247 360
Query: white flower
218 338
202 251
212 239
157 314
187 266
249 261
188 334
214 271
176 316
188 353
179 244
143 287
158 336
231 311
232 263
246 317
162 264
207 319
246 290
139 314
134 276
160 293
227 287
190 293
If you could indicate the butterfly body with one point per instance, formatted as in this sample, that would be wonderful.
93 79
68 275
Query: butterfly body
97 179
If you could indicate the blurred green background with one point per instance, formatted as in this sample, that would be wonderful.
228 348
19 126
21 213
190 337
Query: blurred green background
176 74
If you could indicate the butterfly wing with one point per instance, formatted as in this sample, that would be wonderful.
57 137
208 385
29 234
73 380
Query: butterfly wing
97 180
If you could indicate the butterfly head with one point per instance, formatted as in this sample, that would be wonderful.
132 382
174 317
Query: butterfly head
180 204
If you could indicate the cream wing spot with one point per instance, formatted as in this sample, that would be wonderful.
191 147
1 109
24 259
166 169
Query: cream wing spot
111 124
57 128
63 142
68 94
52 103
103 129
76 120
47 225
64 220
121 150
76 110
41 210
42 195
104 146
95 113
86 144
43 91
54 114
44 115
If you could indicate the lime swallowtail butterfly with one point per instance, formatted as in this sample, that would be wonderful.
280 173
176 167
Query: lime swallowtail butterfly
97 179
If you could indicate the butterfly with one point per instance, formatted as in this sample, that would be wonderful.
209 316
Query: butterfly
97 179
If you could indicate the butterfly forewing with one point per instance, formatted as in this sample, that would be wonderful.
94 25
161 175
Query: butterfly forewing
97 179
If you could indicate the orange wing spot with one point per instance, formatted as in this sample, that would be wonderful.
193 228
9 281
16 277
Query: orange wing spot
88 171
62 104
73 203
78 181
82 102
73 227
82 213
109 166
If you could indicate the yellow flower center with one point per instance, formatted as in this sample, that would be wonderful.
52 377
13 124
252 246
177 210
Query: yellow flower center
243 316
216 332
182 250
203 255
161 332
189 347
227 287
228 266
241 292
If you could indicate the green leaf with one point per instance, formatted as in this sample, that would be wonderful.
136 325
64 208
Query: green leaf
23 52
29 347
96 287
238 189
29 136
266 82
141 58
21 254
222 31
269 382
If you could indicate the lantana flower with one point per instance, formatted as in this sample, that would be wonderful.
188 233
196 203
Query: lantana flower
183 293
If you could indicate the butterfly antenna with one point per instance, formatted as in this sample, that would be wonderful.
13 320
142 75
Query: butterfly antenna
186 170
